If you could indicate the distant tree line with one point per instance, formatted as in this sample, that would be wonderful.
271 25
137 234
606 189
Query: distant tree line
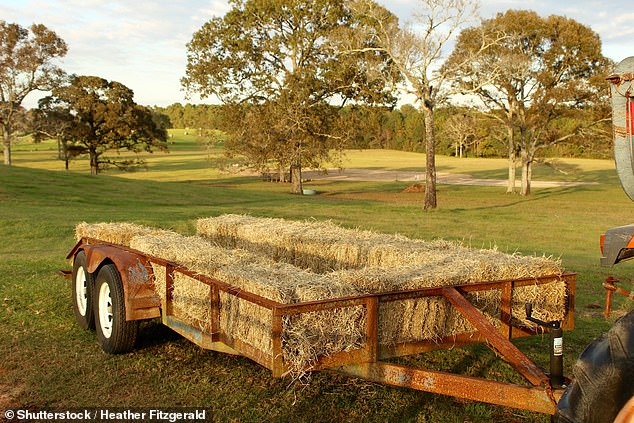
461 131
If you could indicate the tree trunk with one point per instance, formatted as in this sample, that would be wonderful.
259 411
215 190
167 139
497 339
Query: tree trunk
94 163
281 174
6 141
510 187
296 178
526 174
430 153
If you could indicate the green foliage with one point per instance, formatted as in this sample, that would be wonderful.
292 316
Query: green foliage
280 68
26 64
544 80
92 115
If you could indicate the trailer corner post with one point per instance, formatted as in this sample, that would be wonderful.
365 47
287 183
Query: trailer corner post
278 367
372 321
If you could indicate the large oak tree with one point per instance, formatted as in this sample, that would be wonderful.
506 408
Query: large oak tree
541 81
27 64
279 68
96 116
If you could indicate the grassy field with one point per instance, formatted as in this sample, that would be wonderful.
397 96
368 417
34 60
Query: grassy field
47 361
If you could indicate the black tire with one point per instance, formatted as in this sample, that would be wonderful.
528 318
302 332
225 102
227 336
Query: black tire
603 377
83 286
115 334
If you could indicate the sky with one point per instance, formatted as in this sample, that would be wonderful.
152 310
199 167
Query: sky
141 43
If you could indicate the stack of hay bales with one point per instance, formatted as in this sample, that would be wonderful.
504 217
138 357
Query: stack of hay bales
292 262
305 337
374 263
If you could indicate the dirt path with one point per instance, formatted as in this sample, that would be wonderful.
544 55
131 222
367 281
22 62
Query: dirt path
409 176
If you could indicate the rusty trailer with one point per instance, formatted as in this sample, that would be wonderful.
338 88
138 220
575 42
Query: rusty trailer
137 300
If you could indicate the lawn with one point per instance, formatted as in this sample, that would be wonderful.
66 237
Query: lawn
47 361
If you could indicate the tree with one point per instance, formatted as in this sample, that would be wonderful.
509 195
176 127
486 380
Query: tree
277 64
26 64
462 130
417 55
98 116
544 71
54 122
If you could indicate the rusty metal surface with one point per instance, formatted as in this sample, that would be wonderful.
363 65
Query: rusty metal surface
290 309
610 288
67 274
139 295
541 400
371 327
515 357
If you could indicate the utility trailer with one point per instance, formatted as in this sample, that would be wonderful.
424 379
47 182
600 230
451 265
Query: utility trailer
119 283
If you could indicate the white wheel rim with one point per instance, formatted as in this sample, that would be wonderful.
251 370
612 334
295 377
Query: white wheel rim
81 291
105 310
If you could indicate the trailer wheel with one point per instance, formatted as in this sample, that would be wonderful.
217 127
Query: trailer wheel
115 334
602 377
83 284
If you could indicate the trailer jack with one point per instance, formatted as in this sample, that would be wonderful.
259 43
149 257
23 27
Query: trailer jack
556 347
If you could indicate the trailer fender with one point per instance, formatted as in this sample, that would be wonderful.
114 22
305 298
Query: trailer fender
140 297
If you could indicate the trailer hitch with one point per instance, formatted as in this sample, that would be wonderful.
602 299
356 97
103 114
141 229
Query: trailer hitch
556 347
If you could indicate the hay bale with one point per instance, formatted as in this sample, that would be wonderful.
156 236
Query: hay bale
324 246
375 263
115 232
305 337
259 256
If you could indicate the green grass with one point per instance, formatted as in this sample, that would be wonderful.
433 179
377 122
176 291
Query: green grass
52 363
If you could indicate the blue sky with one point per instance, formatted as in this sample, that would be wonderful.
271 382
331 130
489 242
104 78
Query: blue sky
141 43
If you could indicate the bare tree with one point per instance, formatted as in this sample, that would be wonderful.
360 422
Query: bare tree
26 65
462 129
416 53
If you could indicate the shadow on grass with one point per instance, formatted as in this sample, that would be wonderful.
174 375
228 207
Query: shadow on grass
153 333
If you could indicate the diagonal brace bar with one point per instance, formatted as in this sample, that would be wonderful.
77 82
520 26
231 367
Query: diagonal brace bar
516 358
